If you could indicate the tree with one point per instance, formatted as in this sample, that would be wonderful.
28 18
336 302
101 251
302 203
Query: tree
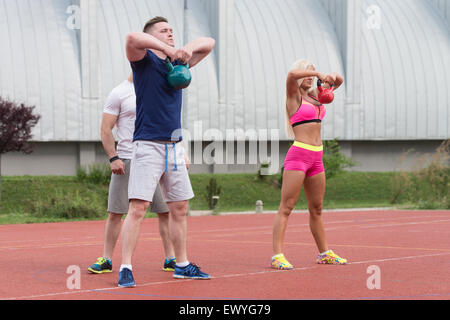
16 122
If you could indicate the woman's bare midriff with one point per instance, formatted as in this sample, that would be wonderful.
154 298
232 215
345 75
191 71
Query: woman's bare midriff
309 133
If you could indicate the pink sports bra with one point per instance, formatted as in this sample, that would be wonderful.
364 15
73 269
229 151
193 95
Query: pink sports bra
307 113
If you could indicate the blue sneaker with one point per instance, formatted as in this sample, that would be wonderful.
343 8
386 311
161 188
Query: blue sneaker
126 278
191 271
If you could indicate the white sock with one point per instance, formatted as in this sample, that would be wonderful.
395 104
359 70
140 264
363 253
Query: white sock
325 252
182 264
128 266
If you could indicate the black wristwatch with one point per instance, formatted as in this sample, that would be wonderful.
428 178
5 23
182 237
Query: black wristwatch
114 159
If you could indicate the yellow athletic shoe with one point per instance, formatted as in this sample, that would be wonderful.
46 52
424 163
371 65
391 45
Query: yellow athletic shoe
279 262
329 257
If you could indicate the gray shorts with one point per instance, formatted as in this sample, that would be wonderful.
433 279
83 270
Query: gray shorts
163 163
118 194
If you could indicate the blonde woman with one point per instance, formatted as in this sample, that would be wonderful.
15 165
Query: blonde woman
303 165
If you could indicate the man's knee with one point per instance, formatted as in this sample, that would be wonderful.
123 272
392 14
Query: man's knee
138 208
115 217
178 208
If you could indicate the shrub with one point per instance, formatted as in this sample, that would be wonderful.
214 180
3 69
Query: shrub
333 160
16 123
96 174
426 186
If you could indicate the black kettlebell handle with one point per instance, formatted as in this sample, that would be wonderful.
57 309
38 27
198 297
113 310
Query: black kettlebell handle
319 83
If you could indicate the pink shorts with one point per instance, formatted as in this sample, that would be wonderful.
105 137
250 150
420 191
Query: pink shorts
306 158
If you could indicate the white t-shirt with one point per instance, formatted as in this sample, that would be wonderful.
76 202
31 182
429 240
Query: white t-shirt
121 102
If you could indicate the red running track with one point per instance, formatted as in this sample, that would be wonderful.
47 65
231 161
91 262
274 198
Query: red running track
410 248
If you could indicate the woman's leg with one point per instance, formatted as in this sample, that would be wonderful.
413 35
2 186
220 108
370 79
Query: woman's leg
315 191
290 190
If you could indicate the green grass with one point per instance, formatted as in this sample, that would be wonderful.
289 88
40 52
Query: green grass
347 190
52 199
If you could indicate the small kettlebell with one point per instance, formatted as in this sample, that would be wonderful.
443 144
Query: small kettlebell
179 77
326 96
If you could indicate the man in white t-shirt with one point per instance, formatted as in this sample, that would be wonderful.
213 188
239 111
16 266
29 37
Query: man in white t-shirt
120 111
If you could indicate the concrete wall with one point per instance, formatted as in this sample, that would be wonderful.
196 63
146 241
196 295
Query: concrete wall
63 158
389 155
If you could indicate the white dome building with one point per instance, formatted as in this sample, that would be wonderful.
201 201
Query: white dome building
64 57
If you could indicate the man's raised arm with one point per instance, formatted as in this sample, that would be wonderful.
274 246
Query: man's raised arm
137 44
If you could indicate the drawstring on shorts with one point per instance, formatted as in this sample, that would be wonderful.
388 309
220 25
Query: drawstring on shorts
175 167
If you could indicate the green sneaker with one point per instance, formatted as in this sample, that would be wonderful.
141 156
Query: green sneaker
101 266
